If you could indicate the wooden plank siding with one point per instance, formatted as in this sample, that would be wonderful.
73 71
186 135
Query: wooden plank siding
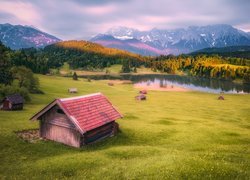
99 133
61 134
57 127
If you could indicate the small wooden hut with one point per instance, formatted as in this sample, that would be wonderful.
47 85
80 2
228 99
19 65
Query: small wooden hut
72 90
221 98
141 97
12 102
143 91
78 121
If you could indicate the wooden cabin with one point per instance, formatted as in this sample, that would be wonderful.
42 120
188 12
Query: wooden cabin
221 98
72 90
12 102
78 121
143 91
141 97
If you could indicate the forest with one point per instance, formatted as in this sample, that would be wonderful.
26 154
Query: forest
90 56
209 66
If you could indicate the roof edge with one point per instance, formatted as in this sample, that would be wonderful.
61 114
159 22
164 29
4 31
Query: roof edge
42 111
78 97
72 118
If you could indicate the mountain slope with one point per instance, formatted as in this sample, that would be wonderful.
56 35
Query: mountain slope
18 36
230 51
127 43
87 47
186 40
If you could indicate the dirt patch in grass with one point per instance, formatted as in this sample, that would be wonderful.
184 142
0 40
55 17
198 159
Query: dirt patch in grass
29 135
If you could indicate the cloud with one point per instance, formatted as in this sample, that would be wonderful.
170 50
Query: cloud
74 19
23 12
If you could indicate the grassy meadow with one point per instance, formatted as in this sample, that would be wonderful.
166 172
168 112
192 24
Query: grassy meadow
172 135
112 70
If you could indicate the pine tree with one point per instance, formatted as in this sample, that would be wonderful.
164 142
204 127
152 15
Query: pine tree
75 77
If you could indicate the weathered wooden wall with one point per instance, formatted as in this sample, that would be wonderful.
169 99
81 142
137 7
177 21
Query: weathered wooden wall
7 105
57 127
98 133
17 106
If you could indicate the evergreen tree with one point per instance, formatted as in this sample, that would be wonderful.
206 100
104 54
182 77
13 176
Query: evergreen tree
135 70
125 66
75 77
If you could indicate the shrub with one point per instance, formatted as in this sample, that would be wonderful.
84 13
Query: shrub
8 90
75 77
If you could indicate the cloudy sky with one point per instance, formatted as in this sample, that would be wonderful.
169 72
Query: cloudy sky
81 19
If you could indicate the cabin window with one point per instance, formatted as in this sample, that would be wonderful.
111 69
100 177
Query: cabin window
60 111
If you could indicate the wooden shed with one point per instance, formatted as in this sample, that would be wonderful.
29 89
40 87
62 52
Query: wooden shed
78 121
72 90
12 102
141 97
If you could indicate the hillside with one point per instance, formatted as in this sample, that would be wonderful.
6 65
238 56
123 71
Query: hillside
18 37
202 138
87 55
89 47
231 51
131 45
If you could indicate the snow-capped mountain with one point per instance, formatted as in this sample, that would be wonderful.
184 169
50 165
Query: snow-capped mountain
126 43
18 36
184 40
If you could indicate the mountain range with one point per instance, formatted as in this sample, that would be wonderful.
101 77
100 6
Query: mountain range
18 36
176 41
151 42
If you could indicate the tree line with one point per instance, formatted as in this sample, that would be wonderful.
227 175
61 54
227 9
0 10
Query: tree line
15 78
209 66
88 56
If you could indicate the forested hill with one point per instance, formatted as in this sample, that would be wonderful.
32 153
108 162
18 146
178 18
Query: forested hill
84 54
78 54
230 51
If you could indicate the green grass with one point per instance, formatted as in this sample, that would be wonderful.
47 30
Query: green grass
172 135
115 68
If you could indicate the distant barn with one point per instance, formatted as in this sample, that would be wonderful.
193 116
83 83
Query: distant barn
141 97
72 90
143 91
78 121
12 102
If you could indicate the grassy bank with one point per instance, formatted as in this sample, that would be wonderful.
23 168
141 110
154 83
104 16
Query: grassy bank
112 70
172 135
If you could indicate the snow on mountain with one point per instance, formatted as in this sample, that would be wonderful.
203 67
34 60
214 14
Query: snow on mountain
18 36
132 45
188 39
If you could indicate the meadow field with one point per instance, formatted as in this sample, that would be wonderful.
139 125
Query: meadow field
171 135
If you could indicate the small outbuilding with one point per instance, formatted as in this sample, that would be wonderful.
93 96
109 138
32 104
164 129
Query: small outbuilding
221 98
143 91
72 90
141 97
12 102
78 121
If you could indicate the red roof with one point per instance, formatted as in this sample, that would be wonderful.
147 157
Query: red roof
87 112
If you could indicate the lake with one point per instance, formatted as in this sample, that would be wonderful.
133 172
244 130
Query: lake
193 83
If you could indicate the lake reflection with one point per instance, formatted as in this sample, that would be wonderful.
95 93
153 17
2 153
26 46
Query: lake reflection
193 83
